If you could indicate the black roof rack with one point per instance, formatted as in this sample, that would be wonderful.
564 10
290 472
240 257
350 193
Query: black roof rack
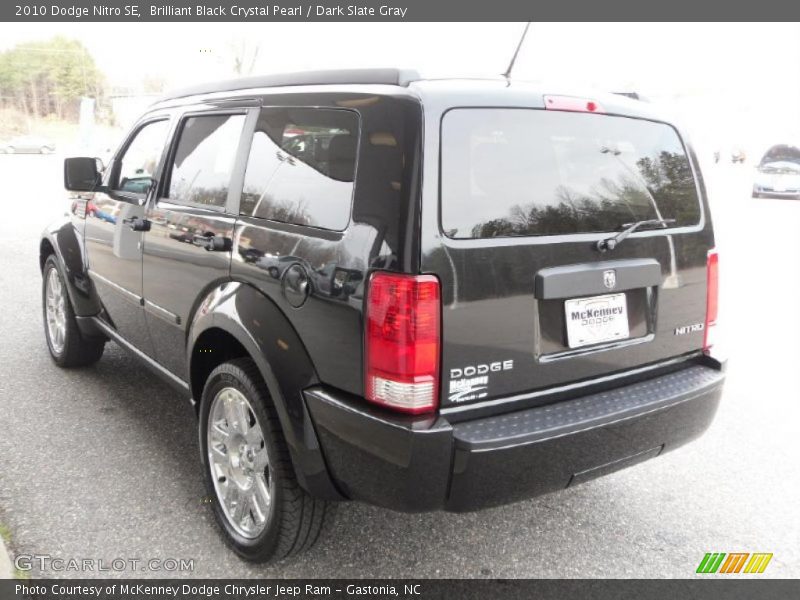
401 77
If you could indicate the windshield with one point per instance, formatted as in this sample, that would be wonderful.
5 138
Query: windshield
781 159
520 172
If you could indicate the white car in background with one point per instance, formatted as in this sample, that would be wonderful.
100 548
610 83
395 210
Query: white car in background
28 144
778 173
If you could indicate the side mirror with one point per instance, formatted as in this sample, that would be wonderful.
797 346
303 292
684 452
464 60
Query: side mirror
81 174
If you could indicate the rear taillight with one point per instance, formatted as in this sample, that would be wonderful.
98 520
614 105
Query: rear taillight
572 103
402 341
712 298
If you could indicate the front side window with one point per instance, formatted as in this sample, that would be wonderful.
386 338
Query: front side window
526 172
204 159
302 166
137 166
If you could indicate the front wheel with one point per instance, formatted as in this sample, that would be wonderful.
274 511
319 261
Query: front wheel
257 501
67 346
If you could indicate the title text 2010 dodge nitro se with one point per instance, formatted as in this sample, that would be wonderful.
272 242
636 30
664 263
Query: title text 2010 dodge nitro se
419 294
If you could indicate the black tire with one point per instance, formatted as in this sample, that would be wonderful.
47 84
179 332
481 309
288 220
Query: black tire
77 350
295 518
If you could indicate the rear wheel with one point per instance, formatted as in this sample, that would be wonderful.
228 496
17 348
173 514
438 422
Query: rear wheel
259 505
67 346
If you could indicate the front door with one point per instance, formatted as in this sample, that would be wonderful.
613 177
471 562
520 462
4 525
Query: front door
114 229
187 251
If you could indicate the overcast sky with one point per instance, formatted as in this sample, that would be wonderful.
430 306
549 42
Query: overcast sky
711 68
661 56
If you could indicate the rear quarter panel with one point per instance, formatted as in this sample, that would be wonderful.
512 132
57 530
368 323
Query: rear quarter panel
380 235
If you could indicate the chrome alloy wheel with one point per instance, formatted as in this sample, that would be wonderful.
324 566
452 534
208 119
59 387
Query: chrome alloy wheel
55 311
239 463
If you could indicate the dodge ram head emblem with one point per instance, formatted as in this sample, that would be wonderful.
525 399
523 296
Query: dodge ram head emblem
610 278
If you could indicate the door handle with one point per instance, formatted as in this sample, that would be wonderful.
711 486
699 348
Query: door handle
213 243
137 223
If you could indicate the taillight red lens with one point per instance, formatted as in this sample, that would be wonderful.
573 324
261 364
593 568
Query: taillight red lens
402 341
572 103
712 298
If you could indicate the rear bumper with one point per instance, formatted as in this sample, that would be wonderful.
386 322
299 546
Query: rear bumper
412 464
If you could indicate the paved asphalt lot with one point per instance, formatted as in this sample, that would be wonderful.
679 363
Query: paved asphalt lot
103 462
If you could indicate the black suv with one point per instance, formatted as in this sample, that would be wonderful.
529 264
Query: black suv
421 294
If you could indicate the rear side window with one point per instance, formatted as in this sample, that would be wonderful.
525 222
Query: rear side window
301 167
204 159
526 172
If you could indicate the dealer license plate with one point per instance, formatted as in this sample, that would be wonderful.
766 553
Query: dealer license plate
596 320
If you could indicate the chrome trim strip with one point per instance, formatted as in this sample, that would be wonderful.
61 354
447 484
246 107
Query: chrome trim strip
116 337
125 292
545 358
509 401
161 312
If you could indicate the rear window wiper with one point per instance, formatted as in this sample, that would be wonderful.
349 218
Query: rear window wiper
613 242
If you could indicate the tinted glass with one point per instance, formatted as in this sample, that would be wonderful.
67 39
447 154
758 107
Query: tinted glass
139 162
204 159
517 172
301 167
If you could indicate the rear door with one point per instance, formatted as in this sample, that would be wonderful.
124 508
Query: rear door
187 250
530 302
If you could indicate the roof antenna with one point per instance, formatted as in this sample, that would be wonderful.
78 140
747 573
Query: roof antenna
507 74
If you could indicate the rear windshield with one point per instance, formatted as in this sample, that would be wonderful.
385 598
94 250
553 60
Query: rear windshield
523 172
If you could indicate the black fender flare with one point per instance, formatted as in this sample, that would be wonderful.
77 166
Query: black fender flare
67 244
260 326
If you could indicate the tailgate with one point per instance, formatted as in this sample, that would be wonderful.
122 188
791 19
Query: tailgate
529 301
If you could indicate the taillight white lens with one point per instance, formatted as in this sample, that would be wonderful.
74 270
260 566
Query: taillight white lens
712 298
402 341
